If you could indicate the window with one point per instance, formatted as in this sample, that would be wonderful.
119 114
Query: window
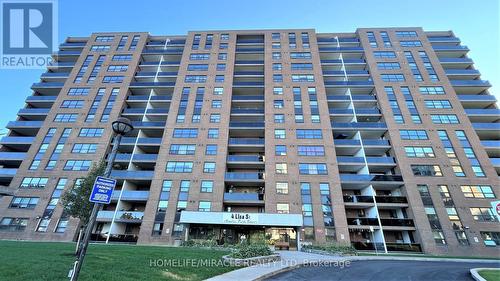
426 170
438 104
384 55
209 167
311 150
371 39
204 206
197 67
275 36
195 79
222 56
185 133
224 36
218 91
117 68
211 149
217 104
277 78
207 186
84 148
483 214
223 46
24 202
91 132
302 66
276 55
77 165
413 135
477 191
279 134
309 134
99 48
281 168
182 149
112 79
280 150
215 118
78 91
104 38
444 119
385 38
312 169
276 45
279 118
277 91
302 78
300 55
388 65
432 90
282 187
282 208
66 118
13 224
219 78
278 104
122 58
393 77
406 33
72 104
213 133
199 56
179 167
412 43
34 183
277 66
121 44
419 152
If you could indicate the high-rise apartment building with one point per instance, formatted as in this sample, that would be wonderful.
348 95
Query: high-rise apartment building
386 137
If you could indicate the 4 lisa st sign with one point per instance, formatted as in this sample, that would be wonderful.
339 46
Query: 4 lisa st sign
496 208
102 190
240 218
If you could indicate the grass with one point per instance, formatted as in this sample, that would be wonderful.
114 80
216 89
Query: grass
53 260
428 256
490 275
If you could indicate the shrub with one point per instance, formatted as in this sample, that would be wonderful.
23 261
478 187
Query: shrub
245 251
202 243
334 248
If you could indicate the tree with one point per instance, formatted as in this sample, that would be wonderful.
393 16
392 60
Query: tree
76 200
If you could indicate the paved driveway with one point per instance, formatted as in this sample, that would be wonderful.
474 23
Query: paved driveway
386 271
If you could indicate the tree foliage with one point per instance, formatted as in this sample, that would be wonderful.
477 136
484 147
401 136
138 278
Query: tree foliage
76 200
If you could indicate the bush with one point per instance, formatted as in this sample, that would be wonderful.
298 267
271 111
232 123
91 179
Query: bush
334 248
245 251
201 243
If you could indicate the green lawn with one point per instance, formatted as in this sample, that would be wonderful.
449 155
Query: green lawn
427 256
52 261
490 275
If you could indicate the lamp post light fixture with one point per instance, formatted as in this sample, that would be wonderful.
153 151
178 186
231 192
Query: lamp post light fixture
121 127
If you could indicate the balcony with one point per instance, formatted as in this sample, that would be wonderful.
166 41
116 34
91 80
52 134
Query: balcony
12 156
259 98
249 62
486 126
362 221
392 247
477 101
141 74
132 175
246 141
348 72
352 84
129 216
359 125
487 144
357 199
462 72
391 199
456 62
346 142
356 181
47 85
250 41
247 111
250 50
341 49
350 160
243 198
131 195
136 157
176 51
246 125
17 140
370 143
157 63
443 39
244 176
33 111
24 124
248 83
149 124
61 64
446 48
380 160
6 175
397 222
470 83
248 73
346 61
246 158
41 101
152 84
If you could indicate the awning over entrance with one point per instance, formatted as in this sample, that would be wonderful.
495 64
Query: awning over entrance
238 218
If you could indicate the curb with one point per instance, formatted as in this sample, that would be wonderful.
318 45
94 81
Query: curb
475 274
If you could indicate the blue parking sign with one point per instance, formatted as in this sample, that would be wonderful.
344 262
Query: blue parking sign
102 190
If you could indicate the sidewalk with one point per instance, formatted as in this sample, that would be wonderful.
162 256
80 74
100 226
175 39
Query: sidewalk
289 260
294 259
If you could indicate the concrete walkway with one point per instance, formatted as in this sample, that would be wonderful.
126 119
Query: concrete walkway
289 260
294 259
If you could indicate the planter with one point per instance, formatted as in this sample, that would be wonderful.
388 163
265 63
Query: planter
251 261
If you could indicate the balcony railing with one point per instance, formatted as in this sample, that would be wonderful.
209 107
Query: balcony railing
397 222
349 159
362 221
370 178
349 83
380 160
13 155
242 197
247 110
358 199
138 175
152 84
24 124
249 62
247 98
470 83
346 142
486 126
246 141
244 176
391 199
245 158
246 124
41 98
359 125
17 140
131 195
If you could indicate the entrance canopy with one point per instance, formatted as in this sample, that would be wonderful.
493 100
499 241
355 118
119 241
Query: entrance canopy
239 218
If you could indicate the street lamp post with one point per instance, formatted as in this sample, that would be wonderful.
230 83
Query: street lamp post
120 127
